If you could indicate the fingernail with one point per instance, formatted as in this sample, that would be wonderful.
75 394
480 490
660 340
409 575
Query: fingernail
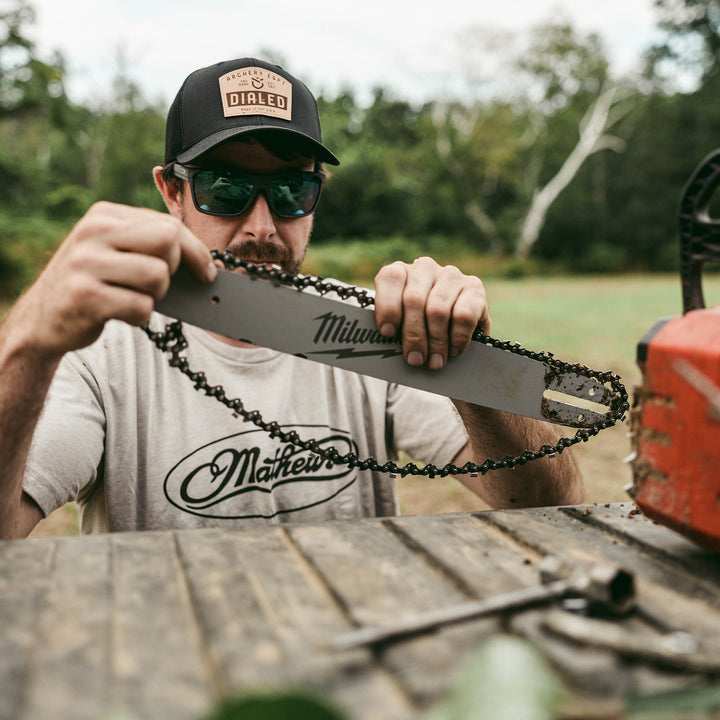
454 352
211 272
436 361
388 330
415 358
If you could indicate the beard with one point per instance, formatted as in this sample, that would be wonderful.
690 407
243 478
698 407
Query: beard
256 251
259 251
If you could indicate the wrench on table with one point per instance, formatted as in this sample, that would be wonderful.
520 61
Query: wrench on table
605 587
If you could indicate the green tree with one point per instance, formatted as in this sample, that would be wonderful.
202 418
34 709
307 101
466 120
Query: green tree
481 147
33 106
35 119
670 134
374 191
124 142
692 39
537 140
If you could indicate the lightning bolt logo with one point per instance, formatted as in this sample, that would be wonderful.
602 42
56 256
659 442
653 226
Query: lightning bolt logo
346 353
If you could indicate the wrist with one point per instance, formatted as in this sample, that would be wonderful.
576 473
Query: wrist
22 350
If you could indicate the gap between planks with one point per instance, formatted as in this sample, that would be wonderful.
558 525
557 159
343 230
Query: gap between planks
316 578
40 602
214 674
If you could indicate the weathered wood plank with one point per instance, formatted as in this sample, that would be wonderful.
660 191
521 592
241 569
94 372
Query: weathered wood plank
162 623
158 661
475 555
373 573
592 673
266 615
674 597
427 665
492 562
610 659
377 577
632 527
68 678
24 571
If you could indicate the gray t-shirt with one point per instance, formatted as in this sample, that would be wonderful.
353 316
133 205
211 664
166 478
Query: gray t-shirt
139 448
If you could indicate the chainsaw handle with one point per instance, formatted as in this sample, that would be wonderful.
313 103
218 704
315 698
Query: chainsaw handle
699 233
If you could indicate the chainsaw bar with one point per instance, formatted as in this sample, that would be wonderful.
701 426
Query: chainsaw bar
344 335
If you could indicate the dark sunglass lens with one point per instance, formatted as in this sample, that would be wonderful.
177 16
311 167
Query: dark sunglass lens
295 195
222 193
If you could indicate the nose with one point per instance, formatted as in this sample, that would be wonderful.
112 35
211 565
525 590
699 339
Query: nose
258 222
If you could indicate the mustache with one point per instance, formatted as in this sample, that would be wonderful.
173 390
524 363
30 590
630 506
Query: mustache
266 252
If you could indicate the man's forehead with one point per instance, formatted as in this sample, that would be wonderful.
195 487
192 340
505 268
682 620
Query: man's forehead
251 150
252 144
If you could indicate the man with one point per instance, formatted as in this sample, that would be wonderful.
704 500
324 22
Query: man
91 411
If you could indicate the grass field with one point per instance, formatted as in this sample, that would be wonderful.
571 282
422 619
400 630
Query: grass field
597 321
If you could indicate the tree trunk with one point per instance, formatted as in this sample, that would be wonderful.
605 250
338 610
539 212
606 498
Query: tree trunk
593 138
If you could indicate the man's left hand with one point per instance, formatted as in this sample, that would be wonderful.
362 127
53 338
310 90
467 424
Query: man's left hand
436 307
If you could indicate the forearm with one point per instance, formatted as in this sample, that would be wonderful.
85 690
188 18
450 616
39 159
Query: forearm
495 434
438 309
25 378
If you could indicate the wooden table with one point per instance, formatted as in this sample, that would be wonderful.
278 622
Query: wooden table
164 623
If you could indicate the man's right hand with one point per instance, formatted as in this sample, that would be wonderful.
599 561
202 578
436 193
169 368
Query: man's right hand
116 263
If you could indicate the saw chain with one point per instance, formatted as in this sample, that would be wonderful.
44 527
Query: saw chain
173 342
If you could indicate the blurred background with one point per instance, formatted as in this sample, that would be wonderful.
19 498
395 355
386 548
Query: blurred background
540 145
559 140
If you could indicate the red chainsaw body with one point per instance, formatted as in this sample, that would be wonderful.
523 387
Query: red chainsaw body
676 426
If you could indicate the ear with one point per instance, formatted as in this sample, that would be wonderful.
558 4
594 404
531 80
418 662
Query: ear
172 196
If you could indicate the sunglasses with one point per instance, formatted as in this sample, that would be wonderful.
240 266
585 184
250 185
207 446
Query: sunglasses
228 192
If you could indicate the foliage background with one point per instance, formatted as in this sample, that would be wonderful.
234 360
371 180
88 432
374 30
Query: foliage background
445 178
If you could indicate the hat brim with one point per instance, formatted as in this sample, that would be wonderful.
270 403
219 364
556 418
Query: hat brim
211 141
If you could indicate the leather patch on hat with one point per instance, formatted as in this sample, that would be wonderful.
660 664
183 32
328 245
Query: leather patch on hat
256 91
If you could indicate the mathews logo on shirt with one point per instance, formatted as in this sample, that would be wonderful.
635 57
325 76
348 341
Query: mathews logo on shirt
248 475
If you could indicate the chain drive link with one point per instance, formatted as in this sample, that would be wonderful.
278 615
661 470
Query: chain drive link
173 342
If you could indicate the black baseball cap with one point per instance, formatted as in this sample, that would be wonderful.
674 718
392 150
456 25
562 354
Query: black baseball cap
236 97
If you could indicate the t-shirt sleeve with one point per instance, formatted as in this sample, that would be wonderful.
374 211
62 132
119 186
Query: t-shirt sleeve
68 443
425 426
